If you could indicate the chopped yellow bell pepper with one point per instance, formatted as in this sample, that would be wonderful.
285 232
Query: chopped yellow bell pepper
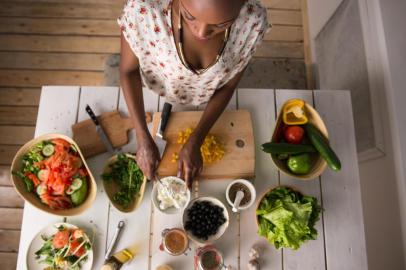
294 112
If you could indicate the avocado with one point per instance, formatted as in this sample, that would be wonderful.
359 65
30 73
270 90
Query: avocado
79 196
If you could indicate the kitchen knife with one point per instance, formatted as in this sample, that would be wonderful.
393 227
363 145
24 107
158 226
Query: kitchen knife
100 131
159 136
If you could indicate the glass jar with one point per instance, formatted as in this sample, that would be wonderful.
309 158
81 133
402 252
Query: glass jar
208 258
174 241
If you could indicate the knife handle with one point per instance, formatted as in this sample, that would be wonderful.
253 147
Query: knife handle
92 115
165 117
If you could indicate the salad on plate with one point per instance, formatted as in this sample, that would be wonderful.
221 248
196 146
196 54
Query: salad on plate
69 248
54 171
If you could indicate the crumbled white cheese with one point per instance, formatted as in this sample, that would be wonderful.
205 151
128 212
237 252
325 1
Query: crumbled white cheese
176 189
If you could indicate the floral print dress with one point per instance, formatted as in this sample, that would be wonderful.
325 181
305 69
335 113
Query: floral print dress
147 27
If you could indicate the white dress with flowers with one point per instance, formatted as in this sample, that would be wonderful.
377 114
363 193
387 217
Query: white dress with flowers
146 25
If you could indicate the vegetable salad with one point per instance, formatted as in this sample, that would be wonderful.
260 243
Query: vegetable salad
65 250
54 171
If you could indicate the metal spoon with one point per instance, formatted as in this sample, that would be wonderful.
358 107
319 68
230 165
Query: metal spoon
113 242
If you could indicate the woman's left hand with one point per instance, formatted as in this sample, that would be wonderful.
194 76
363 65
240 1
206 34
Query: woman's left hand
190 163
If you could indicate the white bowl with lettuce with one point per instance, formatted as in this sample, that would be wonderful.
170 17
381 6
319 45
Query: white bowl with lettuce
287 218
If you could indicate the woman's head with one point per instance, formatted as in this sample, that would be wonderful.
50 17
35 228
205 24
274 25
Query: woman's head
207 18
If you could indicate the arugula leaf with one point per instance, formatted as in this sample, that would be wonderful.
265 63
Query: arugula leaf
29 185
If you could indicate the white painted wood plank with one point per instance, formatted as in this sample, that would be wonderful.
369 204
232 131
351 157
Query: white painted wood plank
343 218
57 112
311 254
162 221
137 229
228 244
261 104
100 99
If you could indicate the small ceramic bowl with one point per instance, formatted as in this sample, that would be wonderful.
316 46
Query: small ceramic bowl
319 164
250 187
220 231
111 188
170 210
32 198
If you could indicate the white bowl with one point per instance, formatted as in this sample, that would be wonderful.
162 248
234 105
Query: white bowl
37 243
220 231
251 188
170 210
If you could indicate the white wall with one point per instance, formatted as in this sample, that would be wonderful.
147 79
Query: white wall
383 183
393 44
320 11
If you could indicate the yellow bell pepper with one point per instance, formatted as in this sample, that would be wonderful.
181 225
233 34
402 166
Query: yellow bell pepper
294 112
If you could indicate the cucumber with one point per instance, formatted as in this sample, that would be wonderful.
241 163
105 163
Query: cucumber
76 184
287 148
41 189
323 147
43 175
48 150
79 195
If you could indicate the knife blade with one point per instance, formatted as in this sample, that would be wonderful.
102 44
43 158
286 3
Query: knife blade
163 122
99 129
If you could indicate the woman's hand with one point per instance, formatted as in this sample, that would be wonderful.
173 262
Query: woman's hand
147 156
190 163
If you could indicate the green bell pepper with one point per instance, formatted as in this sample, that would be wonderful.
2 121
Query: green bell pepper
300 164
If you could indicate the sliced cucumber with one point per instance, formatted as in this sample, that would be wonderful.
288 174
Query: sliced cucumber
43 175
48 150
76 184
41 189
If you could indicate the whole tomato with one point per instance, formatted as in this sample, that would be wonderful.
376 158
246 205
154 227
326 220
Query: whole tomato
294 134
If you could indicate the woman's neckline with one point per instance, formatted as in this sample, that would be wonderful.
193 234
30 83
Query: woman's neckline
178 56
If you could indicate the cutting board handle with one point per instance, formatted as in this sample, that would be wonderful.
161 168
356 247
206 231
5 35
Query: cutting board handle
128 123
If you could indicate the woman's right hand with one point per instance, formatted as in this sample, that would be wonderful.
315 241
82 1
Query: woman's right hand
147 156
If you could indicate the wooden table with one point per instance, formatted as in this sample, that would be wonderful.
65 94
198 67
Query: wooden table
340 243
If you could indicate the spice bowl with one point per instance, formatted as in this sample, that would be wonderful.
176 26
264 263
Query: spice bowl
249 193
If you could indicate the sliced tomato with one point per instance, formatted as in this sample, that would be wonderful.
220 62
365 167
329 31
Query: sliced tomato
61 239
61 142
73 250
33 178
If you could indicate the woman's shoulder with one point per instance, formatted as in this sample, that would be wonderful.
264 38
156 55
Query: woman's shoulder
255 13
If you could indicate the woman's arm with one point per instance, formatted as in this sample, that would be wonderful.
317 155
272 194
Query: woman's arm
190 161
130 79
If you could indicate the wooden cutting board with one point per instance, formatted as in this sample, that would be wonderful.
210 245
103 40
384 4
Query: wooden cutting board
233 129
115 126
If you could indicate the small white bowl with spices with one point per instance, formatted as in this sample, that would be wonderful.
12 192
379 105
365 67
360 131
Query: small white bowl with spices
247 188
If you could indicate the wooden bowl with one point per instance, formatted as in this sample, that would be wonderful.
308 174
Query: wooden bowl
319 164
111 188
32 198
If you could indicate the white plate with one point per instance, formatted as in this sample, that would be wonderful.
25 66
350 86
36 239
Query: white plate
37 242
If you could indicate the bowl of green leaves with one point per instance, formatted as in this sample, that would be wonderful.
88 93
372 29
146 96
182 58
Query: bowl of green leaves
124 182
287 218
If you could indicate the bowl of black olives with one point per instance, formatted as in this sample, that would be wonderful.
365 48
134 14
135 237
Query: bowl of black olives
205 220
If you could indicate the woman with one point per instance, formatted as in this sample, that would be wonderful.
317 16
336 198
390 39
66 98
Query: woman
190 52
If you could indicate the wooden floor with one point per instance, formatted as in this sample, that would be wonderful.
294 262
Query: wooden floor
67 42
